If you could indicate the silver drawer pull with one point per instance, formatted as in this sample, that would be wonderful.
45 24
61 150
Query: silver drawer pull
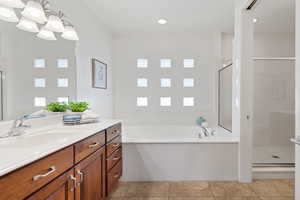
94 145
73 183
116 145
81 177
116 158
116 175
296 141
50 171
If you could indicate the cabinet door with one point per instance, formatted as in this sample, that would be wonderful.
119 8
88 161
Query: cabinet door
90 174
62 188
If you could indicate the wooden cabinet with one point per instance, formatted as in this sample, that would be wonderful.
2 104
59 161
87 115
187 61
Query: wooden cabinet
61 188
86 170
89 145
90 174
23 182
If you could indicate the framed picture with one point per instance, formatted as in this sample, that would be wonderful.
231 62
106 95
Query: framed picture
99 73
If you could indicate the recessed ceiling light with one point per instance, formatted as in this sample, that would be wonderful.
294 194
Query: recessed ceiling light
255 20
162 21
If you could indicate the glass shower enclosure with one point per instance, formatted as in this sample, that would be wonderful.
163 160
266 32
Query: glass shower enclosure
273 111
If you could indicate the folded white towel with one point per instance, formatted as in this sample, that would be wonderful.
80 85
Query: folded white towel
89 115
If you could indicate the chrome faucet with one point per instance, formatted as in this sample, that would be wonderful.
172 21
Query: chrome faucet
18 127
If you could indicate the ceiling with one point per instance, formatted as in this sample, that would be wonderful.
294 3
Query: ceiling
136 16
140 16
275 16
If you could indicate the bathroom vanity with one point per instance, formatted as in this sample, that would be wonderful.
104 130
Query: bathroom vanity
89 168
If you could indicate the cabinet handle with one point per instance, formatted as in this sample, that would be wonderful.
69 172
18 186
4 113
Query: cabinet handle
81 177
94 145
116 158
116 175
116 145
73 181
39 176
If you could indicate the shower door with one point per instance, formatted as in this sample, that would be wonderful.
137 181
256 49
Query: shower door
274 112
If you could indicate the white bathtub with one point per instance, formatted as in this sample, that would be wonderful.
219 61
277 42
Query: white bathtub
176 153
174 134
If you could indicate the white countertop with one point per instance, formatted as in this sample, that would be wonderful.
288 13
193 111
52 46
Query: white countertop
16 152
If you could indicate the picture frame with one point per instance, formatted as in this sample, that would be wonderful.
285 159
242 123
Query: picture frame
99 74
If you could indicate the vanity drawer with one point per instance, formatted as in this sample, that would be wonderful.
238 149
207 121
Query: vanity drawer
23 182
113 145
113 132
113 176
114 158
89 146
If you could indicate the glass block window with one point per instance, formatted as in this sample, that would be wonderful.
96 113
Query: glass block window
165 82
142 101
165 63
142 63
188 82
165 101
188 63
39 82
63 100
62 63
142 82
188 101
40 101
39 63
63 82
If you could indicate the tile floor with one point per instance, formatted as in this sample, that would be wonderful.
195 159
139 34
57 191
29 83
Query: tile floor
282 189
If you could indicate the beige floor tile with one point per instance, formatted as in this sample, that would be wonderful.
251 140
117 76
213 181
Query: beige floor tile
191 198
190 189
148 189
237 198
146 198
120 191
231 189
285 187
277 198
265 188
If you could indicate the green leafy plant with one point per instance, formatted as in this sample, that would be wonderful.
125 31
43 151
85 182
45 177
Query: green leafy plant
57 107
78 106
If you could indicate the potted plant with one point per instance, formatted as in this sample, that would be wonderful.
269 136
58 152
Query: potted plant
57 107
78 107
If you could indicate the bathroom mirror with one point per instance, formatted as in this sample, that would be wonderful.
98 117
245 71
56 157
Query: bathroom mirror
225 97
34 71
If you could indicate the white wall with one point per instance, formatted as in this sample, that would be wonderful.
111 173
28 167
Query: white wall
95 42
204 48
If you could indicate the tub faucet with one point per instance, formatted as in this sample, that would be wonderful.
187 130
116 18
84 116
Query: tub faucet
205 131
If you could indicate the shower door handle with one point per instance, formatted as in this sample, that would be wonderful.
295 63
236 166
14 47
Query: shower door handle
296 140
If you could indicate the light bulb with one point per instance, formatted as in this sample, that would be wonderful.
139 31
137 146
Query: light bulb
46 34
70 34
55 24
8 14
28 25
12 3
35 12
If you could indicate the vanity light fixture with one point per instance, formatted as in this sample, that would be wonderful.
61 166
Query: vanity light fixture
35 11
12 3
38 17
70 33
46 34
28 25
8 14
